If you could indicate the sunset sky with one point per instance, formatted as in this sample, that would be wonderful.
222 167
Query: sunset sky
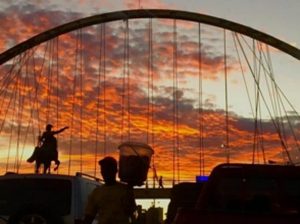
75 87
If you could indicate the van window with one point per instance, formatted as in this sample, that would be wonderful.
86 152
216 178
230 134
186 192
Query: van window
244 195
291 196
18 193
261 195
227 195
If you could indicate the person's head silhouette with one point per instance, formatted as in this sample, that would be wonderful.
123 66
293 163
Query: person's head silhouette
109 169
49 127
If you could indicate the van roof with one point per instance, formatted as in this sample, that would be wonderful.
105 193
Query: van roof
256 169
12 175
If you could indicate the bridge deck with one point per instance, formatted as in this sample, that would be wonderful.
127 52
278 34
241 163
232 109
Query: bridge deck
152 193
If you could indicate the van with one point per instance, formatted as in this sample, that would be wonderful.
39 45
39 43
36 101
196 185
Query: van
44 198
247 193
183 195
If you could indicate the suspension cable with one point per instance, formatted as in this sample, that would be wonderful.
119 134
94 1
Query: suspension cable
57 82
100 31
257 100
176 164
227 147
268 109
81 71
104 90
280 101
150 131
73 104
50 82
123 83
260 141
30 122
128 80
18 116
20 109
9 102
14 93
278 88
57 88
200 107
274 96
37 78
247 89
150 73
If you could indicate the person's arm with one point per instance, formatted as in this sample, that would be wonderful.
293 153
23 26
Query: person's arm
60 130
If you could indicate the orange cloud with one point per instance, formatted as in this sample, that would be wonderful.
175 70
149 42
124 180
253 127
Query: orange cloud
107 100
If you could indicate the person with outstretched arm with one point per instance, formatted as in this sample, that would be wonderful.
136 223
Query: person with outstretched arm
49 141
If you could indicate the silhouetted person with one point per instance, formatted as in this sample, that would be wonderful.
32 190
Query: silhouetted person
48 141
160 182
114 201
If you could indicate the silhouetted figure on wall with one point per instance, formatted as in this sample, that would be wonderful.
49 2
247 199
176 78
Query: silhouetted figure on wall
46 150
114 201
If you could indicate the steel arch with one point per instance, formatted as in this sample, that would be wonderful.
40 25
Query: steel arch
149 13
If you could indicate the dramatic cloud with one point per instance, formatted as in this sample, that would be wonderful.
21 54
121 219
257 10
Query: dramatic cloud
112 84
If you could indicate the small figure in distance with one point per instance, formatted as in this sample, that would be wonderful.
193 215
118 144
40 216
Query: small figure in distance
160 182
114 201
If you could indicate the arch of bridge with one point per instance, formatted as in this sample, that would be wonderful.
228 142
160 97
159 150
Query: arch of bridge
149 13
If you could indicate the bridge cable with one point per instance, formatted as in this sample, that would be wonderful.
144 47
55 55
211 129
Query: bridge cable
18 116
27 87
37 78
128 79
257 103
264 100
246 86
14 96
280 102
73 103
227 147
104 90
149 67
57 88
81 71
176 165
123 82
32 102
275 102
274 96
50 83
150 122
200 107
9 101
148 89
100 30
21 103
27 83
260 128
